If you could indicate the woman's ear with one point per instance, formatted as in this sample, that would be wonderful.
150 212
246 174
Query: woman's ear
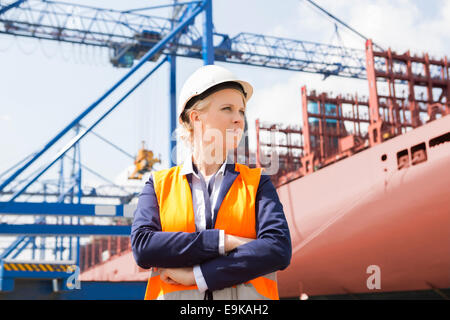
194 116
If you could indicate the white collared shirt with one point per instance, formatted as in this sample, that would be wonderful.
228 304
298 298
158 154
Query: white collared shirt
199 190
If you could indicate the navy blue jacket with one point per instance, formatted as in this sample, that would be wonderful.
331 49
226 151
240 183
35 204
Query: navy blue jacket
271 251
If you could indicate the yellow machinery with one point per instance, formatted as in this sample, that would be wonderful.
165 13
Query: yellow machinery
144 163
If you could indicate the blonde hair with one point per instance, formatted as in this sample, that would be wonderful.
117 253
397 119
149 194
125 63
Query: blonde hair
186 130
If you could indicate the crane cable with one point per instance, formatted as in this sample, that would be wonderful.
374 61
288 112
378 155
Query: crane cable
342 22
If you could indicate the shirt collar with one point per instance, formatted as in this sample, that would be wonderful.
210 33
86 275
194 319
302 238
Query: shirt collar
188 166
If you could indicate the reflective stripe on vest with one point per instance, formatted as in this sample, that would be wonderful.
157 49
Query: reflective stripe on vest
236 216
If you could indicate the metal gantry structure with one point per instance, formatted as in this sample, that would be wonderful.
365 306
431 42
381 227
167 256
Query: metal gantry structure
130 34
133 39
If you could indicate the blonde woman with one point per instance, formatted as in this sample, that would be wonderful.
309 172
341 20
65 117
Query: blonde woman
211 228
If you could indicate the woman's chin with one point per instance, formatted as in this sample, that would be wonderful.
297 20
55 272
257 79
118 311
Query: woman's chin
232 147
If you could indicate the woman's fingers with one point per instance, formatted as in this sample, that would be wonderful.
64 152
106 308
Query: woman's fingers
184 276
176 276
232 242
245 240
166 278
170 281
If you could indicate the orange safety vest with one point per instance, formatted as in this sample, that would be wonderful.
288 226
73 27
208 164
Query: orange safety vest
236 216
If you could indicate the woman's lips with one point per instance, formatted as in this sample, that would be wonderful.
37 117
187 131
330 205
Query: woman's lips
235 131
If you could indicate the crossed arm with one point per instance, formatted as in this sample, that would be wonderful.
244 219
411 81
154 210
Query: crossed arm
175 253
185 276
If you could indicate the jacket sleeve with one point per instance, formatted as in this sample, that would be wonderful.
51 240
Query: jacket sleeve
271 251
154 248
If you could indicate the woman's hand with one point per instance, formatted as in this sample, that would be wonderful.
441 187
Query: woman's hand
232 242
183 276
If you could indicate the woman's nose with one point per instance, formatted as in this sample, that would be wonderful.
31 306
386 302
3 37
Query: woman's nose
238 117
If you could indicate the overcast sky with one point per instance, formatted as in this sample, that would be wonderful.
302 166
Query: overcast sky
44 85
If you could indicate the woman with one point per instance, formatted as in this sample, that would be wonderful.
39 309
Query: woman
210 228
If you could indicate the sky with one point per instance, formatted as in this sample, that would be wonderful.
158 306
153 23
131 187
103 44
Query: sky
45 85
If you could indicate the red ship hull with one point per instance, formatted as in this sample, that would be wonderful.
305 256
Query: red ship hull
363 211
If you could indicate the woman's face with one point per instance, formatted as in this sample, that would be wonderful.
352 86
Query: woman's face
222 124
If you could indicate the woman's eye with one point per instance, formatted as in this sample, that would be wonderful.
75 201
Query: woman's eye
226 108
242 112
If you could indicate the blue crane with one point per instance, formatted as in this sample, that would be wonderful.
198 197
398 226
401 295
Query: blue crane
134 39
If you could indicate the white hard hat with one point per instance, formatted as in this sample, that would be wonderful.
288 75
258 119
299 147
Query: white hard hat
205 78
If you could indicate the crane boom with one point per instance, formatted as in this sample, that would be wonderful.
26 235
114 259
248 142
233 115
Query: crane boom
130 34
